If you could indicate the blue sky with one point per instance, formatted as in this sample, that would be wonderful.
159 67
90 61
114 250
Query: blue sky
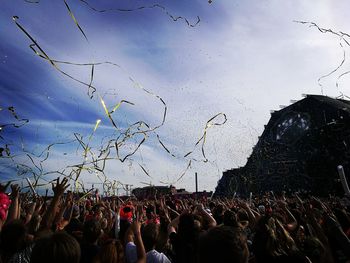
244 58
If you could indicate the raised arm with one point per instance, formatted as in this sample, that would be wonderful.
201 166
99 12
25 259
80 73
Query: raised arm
251 215
173 225
58 190
211 221
66 205
134 235
30 211
292 223
14 207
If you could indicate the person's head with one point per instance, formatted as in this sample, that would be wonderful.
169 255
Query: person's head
223 244
230 218
188 227
110 252
13 238
149 212
218 210
150 234
91 231
76 212
56 248
218 213
126 213
242 217
262 209
104 224
124 226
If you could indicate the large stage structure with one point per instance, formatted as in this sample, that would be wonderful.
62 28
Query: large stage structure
299 150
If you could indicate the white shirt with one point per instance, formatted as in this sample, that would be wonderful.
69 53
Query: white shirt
152 256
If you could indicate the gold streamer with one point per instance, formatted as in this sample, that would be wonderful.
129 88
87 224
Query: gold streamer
174 18
204 136
342 37
134 129
75 20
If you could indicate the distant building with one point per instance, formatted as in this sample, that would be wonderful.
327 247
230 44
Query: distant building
150 191
300 149
203 194
183 194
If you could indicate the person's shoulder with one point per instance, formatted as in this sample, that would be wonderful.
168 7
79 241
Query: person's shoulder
130 245
154 256
130 252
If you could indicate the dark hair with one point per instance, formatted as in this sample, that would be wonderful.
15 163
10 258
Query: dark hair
56 248
185 243
126 209
242 215
187 229
150 234
219 209
230 218
111 251
91 231
12 238
218 214
223 244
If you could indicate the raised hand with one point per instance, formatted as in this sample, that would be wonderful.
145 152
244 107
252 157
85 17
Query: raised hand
136 227
139 213
14 190
59 188
39 205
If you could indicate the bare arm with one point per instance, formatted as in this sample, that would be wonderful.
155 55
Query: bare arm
251 215
173 225
58 190
30 212
14 207
173 211
318 231
141 253
134 235
211 221
292 223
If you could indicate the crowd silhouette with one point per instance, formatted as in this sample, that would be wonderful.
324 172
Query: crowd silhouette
67 227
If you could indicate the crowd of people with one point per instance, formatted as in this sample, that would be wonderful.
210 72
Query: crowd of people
68 228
